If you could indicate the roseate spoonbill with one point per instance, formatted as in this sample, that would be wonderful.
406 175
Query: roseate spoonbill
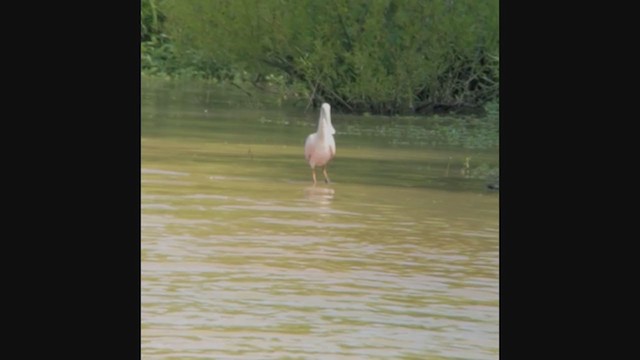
320 147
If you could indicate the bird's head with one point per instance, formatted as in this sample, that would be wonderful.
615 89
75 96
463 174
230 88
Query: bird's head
325 118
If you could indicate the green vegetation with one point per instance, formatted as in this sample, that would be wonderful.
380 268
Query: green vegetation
363 56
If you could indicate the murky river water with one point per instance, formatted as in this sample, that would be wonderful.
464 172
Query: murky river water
242 258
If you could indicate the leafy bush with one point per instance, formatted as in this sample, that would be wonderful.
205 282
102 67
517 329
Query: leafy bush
383 57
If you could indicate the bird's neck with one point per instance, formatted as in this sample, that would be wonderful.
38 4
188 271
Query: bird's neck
321 132
323 128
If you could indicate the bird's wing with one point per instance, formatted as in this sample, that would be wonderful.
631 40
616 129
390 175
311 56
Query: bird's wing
332 146
309 146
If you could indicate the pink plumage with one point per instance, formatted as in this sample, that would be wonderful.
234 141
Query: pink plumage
320 147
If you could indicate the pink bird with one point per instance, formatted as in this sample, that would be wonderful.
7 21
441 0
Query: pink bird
320 147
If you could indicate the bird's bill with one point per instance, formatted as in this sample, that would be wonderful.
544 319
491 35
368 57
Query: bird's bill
326 115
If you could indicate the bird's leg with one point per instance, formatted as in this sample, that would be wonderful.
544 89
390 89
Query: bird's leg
313 174
326 177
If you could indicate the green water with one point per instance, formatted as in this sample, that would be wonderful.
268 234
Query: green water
242 258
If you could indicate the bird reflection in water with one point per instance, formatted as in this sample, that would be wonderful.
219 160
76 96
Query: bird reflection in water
320 195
